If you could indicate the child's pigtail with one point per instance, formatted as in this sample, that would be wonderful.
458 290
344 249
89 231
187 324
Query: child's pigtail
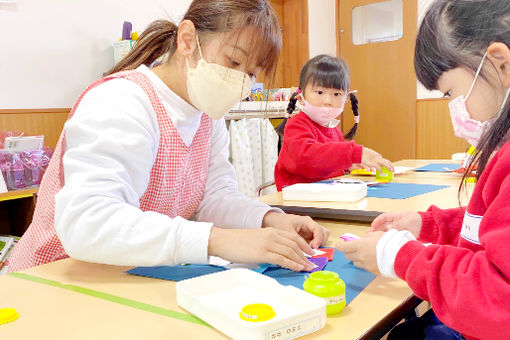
290 109
354 105
292 102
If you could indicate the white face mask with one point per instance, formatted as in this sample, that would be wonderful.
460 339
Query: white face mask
463 125
215 89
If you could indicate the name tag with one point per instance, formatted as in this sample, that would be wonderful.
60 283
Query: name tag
470 227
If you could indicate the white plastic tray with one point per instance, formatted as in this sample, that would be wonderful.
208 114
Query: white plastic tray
325 192
218 298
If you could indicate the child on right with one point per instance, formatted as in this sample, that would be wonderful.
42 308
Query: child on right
457 259
313 147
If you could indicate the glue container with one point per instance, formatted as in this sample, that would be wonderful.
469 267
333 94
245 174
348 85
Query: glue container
384 176
327 285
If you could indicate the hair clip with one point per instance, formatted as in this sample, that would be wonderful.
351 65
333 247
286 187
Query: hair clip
298 91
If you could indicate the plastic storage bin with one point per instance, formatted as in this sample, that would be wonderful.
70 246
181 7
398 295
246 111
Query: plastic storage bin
219 298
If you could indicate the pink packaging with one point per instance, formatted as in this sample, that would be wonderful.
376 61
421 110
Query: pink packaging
24 169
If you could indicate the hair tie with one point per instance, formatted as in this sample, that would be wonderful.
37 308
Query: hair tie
298 91
356 119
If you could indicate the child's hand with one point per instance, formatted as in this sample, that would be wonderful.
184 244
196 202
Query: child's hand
315 234
264 245
372 159
357 167
402 220
362 252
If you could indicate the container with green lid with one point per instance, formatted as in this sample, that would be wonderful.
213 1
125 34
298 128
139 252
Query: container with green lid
384 176
330 287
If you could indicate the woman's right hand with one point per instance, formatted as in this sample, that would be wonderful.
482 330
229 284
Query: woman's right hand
402 220
264 245
372 159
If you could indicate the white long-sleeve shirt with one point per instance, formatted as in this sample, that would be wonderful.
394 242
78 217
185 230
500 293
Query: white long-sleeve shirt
111 145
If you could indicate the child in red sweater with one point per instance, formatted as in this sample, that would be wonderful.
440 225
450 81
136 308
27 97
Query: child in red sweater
458 258
313 147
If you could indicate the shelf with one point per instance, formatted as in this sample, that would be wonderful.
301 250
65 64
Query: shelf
23 193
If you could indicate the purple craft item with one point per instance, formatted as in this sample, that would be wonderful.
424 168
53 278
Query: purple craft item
126 30
320 262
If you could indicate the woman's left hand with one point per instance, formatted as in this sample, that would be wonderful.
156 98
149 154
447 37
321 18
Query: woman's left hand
315 234
362 252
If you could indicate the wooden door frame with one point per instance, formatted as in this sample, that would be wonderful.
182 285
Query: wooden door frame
407 32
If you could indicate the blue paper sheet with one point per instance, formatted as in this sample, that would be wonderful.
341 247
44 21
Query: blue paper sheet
175 273
400 191
438 167
355 279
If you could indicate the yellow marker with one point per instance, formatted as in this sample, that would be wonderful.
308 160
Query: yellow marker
257 312
470 153
361 172
8 315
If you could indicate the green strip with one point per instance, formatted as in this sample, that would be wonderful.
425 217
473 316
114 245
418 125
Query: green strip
113 298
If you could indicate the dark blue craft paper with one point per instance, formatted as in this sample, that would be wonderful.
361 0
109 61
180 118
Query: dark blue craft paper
438 167
175 273
355 279
395 190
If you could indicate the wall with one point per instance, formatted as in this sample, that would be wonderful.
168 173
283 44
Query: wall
47 66
423 93
434 135
51 58
47 122
321 27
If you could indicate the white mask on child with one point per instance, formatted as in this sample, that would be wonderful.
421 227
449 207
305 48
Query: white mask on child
463 125
215 89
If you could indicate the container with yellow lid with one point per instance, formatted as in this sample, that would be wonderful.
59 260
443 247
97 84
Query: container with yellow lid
8 315
257 312
327 285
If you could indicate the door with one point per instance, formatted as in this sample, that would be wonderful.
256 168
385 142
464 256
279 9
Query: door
379 50
295 40
293 18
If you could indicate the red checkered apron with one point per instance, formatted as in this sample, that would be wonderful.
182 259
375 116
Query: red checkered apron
176 186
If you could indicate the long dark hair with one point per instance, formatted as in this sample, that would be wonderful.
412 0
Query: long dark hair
211 16
457 33
326 71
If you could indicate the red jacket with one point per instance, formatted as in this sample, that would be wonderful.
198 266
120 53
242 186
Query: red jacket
465 274
312 153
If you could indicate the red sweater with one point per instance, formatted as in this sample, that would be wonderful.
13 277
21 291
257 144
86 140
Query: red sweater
465 274
312 153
